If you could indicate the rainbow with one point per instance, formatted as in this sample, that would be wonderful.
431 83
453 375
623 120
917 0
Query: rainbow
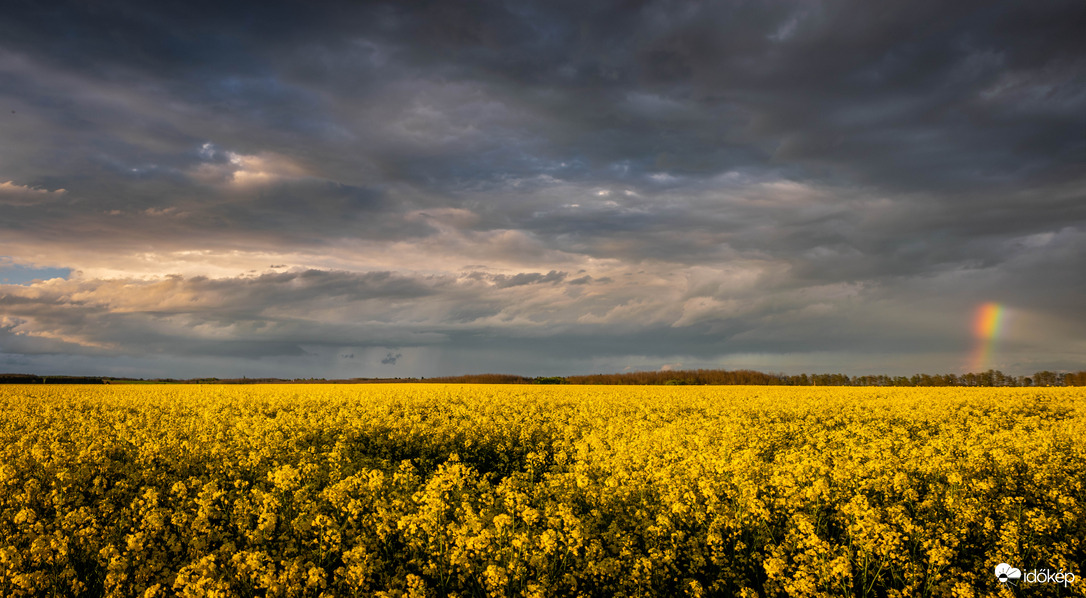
989 321
987 326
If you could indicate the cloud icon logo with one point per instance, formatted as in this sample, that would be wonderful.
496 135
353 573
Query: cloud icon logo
1005 573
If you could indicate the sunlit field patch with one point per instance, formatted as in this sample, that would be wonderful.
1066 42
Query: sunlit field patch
488 490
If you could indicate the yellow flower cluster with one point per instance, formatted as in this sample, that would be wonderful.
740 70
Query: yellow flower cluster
462 491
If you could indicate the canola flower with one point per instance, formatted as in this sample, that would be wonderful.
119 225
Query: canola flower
473 490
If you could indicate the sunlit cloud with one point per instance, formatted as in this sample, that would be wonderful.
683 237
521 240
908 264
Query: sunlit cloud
244 171
14 194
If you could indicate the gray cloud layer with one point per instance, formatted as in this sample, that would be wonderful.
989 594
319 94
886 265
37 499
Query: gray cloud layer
541 187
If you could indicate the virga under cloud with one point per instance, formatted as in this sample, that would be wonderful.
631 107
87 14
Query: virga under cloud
540 187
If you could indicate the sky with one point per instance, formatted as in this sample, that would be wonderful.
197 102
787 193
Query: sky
395 189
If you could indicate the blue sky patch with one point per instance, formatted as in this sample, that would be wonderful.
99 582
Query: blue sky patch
11 273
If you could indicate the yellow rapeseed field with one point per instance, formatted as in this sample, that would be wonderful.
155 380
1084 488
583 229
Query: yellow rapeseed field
462 490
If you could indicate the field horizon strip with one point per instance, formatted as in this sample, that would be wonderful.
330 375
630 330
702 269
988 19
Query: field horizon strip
533 490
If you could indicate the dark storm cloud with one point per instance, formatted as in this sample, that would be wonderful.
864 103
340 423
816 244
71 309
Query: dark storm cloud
268 314
504 281
727 177
909 94
271 314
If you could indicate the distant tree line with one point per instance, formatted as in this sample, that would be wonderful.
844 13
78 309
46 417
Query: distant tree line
726 377
32 379
480 379
663 377
752 377
682 377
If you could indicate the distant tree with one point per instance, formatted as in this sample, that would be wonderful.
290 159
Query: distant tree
20 379
1075 379
1047 378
